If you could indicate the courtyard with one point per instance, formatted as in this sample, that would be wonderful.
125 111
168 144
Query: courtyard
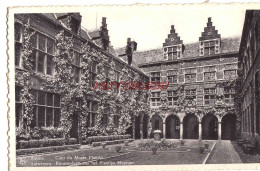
218 152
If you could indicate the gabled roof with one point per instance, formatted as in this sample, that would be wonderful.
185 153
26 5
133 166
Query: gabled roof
228 45
88 35
173 38
209 32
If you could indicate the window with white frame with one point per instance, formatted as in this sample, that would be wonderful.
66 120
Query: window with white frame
93 107
117 79
190 94
93 74
172 52
229 74
43 51
46 109
18 106
189 78
155 99
209 47
172 97
18 43
209 96
229 93
209 76
76 66
172 79
155 76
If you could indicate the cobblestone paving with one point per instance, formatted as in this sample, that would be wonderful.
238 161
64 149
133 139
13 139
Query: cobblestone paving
224 153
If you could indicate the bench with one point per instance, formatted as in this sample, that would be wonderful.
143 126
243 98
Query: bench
249 145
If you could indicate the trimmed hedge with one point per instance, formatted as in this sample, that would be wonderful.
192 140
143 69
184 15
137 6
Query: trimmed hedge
44 143
90 140
95 144
46 149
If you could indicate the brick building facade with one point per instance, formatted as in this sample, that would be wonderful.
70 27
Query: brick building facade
48 105
199 102
249 63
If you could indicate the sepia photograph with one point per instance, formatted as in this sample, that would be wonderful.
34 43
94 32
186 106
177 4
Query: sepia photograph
134 85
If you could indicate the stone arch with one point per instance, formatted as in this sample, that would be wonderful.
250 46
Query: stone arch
157 123
172 126
169 114
210 127
145 121
228 127
191 126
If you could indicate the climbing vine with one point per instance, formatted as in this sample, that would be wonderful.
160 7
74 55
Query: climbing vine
24 79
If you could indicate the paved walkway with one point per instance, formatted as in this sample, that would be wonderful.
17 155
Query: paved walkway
224 153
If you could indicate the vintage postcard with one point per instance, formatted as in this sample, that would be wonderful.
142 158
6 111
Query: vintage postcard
140 87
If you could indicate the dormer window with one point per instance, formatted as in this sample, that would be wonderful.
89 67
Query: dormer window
75 25
173 46
172 52
209 40
209 47
71 20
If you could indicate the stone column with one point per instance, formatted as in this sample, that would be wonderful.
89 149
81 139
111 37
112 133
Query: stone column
133 128
164 130
181 130
141 130
219 130
200 130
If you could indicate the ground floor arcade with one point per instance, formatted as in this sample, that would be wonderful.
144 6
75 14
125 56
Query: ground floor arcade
186 126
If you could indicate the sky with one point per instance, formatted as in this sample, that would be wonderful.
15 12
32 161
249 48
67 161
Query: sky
150 25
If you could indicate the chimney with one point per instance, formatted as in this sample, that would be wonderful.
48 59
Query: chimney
209 24
104 22
129 51
172 29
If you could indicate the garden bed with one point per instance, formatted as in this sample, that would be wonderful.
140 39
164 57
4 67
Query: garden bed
95 144
159 145
90 140
46 149
22 144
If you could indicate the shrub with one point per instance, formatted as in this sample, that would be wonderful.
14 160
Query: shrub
118 148
90 140
95 144
33 144
23 144
104 145
51 132
202 150
23 136
40 143
163 145
126 143
154 149
71 141
46 149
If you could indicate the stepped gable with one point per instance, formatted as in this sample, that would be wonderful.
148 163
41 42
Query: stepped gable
228 45
209 32
173 38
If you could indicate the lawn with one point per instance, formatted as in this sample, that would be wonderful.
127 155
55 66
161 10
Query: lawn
161 158
128 156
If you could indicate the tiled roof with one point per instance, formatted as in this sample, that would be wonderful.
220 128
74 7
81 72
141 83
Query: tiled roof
228 45
88 35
